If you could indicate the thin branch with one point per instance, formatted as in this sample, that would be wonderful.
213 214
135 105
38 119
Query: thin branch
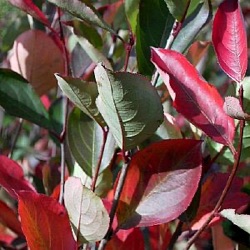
229 181
97 170
13 145
175 235
128 47
117 195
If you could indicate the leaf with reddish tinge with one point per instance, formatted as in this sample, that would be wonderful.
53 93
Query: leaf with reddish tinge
9 218
230 39
193 97
30 8
88 216
161 182
45 222
12 178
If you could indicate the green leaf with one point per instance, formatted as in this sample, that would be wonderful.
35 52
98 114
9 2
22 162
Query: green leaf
84 11
240 220
19 99
132 10
88 216
192 26
83 94
85 138
153 28
178 7
129 104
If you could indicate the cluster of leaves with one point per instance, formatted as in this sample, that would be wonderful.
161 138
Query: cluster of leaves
110 136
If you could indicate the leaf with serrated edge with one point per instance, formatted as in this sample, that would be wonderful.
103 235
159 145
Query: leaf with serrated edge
88 216
85 139
129 104
19 99
83 94
83 11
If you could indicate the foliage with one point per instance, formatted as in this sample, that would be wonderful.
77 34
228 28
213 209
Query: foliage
124 124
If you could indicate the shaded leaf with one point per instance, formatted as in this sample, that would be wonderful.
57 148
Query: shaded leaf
45 222
193 97
127 239
240 220
18 99
30 8
161 182
37 61
85 138
151 33
9 218
132 10
129 104
83 94
88 216
230 39
210 194
84 11
12 178
192 27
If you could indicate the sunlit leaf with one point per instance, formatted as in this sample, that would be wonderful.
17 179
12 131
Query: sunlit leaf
240 220
35 61
129 104
230 39
84 11
88 216
161 182
12 178
192 26
193 97
45 222
83 94
19 99
85 138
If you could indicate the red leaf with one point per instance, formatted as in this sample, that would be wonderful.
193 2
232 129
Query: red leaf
127 239
45 222
230 39
30 8
9 218
193 97
11 177
161 182
210 193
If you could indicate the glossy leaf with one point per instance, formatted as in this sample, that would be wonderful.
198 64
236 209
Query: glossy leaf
161 182
193 97
9 218
240 220
230 39
210 193
85 138
30 8
83 94
151 33
88 216
12 178
192 27
84 11
18 99
45 222
37 65
129 104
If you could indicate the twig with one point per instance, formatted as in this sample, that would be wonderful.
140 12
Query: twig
97 170
13 145
175 235
118 191
229 181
